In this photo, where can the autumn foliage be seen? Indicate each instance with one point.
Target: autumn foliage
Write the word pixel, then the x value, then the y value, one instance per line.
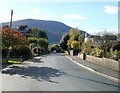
pixel 12 39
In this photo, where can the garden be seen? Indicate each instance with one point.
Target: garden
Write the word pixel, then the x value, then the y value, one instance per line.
pixel 18 47
pixel 103 45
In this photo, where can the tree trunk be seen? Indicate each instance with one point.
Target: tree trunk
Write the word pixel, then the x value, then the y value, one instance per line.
pixel 8 54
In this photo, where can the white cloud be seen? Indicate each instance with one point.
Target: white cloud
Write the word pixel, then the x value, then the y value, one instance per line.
pixel 96 31
pixel 111 9
pixel 74 16
pixel 35 10
pixel 71 25
pixel 44 17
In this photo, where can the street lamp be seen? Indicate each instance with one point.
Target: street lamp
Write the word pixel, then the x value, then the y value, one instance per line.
pixel 11 18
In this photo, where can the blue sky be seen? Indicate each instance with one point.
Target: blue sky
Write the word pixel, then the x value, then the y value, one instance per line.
pixel 92 17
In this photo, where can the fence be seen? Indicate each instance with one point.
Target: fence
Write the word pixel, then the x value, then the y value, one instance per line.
pixel 14 58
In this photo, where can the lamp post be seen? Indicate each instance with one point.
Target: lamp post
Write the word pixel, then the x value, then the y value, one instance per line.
pixel 11 18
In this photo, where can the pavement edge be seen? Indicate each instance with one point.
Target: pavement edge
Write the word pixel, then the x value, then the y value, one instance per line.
pixel 93 71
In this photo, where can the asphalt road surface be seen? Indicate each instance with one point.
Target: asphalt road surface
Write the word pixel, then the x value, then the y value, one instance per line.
pixel 53 73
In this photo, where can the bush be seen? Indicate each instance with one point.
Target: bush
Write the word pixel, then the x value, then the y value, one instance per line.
pixel 32 45
pixel 33 40
pixel 87 47
pixel 43 43
pixel 113 54
pixel 43 51
pixel 116 46
pixel 4 61
pixel 97 52
pixel 23 51
pixel 55 47
pixel 36 50
pixel 4 53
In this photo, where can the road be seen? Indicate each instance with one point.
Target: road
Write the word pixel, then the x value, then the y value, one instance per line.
pixel 53 73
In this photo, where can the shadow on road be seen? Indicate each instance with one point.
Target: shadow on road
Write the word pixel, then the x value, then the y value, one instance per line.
pixel 44 74
pixel 39 73
pixel 2 66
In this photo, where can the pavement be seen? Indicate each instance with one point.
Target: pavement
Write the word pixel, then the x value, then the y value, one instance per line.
pixel 53 72
pixel 97 68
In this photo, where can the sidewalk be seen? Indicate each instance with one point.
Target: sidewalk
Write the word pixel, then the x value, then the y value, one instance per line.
pixel 97 68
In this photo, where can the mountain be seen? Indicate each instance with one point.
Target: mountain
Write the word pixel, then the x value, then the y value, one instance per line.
pixel 54 29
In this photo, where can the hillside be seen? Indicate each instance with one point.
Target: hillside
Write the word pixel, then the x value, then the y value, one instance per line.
pixel 54 29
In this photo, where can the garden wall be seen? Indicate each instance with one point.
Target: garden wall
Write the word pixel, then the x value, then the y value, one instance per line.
pixel 66 52
pixel 108 63
pixel 71 52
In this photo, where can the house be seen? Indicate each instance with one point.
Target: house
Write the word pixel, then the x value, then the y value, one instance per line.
pixel 97 40
pixel 23 31
pixel 91 37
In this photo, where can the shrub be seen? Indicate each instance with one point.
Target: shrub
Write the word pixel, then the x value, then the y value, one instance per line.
pixel 43 51
pixel 32 45
pixel 97 52
pixel 116 46
pixel 32 40
pixel 4 52
pixel 113 54
pixel 55 47
pixel 43 43
pixel 87 47
pixel 36 50
pixel 24 51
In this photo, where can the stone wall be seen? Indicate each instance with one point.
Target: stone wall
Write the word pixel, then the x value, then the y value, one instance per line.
pixel 71 52
pixel 108 63
pixel 66 52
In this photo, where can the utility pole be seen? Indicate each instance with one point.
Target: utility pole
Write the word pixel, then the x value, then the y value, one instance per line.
pixel 11 18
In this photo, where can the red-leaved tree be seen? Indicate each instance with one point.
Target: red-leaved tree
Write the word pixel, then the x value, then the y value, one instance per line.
pixel 12 39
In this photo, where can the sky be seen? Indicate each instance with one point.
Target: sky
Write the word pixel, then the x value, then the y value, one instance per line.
pixel 91 17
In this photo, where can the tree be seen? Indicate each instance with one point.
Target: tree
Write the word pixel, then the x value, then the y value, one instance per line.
pixel 33 40
pixel 43 43
pixel 55 47
pixel 12 39
pixel 63 41
pixel 87 47
pixel 37 33
pixel 75 35
pixel 42 34
pixel 34 32
pixel 38 43
pixel 105 40
pixel 75 45
pixel 81 40
pixel 22 27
